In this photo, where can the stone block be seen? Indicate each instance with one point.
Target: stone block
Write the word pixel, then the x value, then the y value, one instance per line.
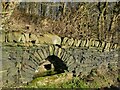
pixel 87 43
pixel 72 67
pixel 115 46
pixel 96 44
pixel 69 42
pixel 59 52
pixel 17 36
pixel 64 55
pixel 52 39
pixel 45 51
pixel 36 56
pixel 67 57
pixel 107 47
pixel 75 42
pixel 41 53
pixel 56 50
pixel 78 43
pixel 27 38
pixel 23 39
pixel 36 60
pixel 51 49
pixel 10 37
pixel 83 43
pixel 26 75
pixel 92 43
pixel 78 70
pixel 70 61
pixel 103 44
pixel 64 41
pixel 34 38
pixel 41 39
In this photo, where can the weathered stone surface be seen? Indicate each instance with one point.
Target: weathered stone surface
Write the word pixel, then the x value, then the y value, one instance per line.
pixel 27 38
pixel 75 42
pixel 50 39
pixel 41 53
pixel 59 52
pixel 90 42
pixel 115 46
pixel 69 42
pixel 10 37
pixel 72 67
pixel 45 53
pixel 26 75
pixel 67 57
pixel 107 46
pixel 64 55
pixel 78 43
pixel 103 44
pixel 87 43
pixel 34 38
pixel 83 43
pixel 56 50
pixel 78 60
pixel 17 38
pixel 36 56
pixel 96 43
pixel 40 71
pixel 70 61
pixel 64 41
pixel 51 50
pixel 23 39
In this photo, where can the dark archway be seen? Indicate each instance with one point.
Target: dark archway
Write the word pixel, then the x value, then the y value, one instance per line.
pixel 58 64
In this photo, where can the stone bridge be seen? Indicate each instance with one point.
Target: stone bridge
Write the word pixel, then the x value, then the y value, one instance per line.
pixel 20 63
pixel 24 53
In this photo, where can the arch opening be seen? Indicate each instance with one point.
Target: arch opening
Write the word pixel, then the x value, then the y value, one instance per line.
pixel 51 65
pixel 59 65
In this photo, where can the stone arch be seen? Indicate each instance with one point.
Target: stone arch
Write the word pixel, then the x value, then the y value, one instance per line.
pixel 39 55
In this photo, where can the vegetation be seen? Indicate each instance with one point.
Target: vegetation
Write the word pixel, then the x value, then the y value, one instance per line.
pixel 99 20
pixel 81 20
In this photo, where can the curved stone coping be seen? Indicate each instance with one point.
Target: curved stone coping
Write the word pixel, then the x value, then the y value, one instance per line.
pixel 28 39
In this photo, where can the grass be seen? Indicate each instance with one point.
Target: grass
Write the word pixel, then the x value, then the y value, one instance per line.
pixel 74 83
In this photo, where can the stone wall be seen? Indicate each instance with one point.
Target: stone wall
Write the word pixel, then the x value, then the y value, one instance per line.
pixel 20 63
pixel 17 38
pixel 22 52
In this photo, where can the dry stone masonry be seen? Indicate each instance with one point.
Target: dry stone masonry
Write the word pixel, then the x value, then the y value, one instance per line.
pixel 28 39
pixel 24 53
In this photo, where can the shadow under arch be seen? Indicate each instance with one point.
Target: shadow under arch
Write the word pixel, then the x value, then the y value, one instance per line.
pixel 59 65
